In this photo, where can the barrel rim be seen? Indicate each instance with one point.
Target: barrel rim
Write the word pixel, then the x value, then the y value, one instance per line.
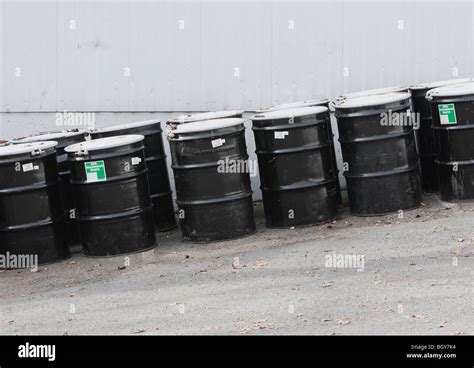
pixel 291 105
pixel 49 136
pixel 104 143
pixel 453 90
pixel 204 116
pixel 206 125
pixel 371 100
pixel 375 91
pixel 290 113
pixel 443 83
pixel 126 126
pixel 22 148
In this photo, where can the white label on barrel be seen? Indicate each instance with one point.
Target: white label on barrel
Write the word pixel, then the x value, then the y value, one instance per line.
pixel 95 171
pixel 447 114
pixel 217 142
pixel 29 167
pixel 136 160
pixel 281 135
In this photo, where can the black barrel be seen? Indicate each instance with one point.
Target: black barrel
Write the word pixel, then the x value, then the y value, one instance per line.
pixel 452 109
pixel 310 103
pixel 64 139
pixel 112 194
pixel 380 158
pixel 160 189
pixel 294 150
pixel 202 116
pixel 213 189
pixel 426 146
pixel 32 220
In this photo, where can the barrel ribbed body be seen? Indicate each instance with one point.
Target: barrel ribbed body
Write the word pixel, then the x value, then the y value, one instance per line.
pixel 310 103
pixel 380 157
pixel 298 179
pixel 453 126
pixel 32 220
pixel 111 190
pixel 64 139
pixel 160 189
pixel 213 191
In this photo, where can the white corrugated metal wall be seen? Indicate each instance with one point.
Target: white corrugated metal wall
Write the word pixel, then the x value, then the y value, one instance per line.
pixel 129 60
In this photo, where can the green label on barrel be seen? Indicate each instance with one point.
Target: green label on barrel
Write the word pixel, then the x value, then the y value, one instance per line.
pixel 447 114
pixel 95 171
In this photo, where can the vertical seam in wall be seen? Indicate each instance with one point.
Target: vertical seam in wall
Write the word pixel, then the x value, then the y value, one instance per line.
pixel 129 54
pixel 413 38
pixel 341 73
pixel 271 52
pixel 471 73
pixel 2 70
pixel 56 72
pixel 201 43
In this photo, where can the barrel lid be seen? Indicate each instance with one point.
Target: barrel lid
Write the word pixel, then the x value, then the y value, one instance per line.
pixel 49 136
pixel 288 113
pixel 205 125
pixel 376 91
pixel 22 148
pixel 437 84
pixel 136 124
pixel 104 143
pixel 201 116
pixel 454 90
pixel 368 101
pixel 292 105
